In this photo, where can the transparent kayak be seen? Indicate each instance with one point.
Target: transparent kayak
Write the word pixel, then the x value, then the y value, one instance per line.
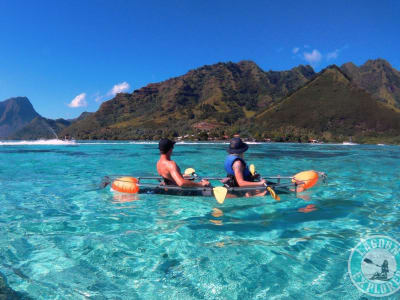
pixel 149 188
pixel 155 185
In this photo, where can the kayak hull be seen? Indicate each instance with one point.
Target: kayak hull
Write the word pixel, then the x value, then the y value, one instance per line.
pixel 154 185
pixel 208 191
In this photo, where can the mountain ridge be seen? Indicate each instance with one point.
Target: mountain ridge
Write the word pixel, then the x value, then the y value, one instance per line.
pixel 377 77
pixel 223 99
pixel 235 94
pixel 15 113
pixel 330 106
pixel 216 94
pixel 19 120
pixel 40 128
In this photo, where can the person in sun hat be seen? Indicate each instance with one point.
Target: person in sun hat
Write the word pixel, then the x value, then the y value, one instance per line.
pixel 169 170
pixel 236 168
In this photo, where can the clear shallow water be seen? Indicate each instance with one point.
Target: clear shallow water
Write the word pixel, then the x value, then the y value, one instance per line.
pixel 61 238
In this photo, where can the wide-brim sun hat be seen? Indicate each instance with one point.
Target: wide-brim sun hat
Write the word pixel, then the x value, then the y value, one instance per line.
pixel 237 146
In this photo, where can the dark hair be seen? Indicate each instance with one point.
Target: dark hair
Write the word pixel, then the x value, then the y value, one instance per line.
pixel 165 145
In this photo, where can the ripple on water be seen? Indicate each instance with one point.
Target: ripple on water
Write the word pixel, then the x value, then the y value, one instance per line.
pixel 62 237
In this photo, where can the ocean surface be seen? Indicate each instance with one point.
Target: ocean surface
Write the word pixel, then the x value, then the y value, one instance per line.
pixel 63 237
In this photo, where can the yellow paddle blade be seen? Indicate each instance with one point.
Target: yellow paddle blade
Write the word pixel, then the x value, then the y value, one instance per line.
pixel 273 194
pixel 252 169
pixel 189 171
pixel 220 193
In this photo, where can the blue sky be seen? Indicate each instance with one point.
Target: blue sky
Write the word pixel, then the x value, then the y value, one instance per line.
pixel 69 56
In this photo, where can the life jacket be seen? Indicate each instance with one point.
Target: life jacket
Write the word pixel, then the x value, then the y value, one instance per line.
pixel 230 159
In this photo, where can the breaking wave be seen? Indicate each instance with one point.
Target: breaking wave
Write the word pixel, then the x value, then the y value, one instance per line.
pixel 37 142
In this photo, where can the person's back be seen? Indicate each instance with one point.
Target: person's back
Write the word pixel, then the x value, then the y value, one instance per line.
pixel 238 161
pixel 164 167
pixel 169 170
pixel 236 167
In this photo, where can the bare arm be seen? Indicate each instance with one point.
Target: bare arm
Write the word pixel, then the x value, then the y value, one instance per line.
pixel 238 168
pixel 181 181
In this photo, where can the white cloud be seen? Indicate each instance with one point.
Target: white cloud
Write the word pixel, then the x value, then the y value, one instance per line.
pixel 78 101
pixel 295 50
pixel 313 57
pixel 332 55
pixel 119 88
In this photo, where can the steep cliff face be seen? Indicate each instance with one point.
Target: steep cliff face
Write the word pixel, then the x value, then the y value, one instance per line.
pixel 378 78
pixel 331 105
pixel 15 113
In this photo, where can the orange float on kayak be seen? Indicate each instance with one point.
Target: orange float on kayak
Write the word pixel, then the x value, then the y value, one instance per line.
pixel 125 185
pixel 308 178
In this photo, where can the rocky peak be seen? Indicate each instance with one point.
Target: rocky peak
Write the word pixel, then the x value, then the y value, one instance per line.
pixel 14 114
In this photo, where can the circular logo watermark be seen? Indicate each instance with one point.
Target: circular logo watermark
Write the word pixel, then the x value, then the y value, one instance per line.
pixel 374 266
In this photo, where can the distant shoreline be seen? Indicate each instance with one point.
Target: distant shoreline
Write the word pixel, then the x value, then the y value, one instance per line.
pixel 179 142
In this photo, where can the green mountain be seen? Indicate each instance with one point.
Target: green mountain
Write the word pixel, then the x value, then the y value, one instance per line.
pixel 15 113
pixel 227 98
pixel 82 116
pixel 330 107
pixel 40 128
pixel 207 98
pixel 378 78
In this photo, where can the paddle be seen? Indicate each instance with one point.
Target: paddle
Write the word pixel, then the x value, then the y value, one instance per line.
pixel 272 193
pixel 219 191
pixel 252 170
pixel 368 261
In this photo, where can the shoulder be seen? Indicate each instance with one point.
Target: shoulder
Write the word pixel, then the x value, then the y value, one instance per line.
pixel 238 164
pixel 172 165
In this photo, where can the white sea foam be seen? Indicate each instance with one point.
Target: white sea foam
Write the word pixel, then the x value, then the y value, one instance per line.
pixel 102 143
pixel 37 142
pixel 143 142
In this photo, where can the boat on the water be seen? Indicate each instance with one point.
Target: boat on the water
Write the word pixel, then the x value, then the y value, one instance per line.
pixel 154 185
pixel 161 189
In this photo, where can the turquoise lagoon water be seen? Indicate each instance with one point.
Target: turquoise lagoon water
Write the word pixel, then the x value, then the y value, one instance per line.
pixel 63 238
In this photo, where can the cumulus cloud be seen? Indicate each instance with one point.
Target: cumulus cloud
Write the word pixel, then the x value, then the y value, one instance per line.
pixel 119 88
pixel 78 101
pixel 332 55
pixel 313 57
